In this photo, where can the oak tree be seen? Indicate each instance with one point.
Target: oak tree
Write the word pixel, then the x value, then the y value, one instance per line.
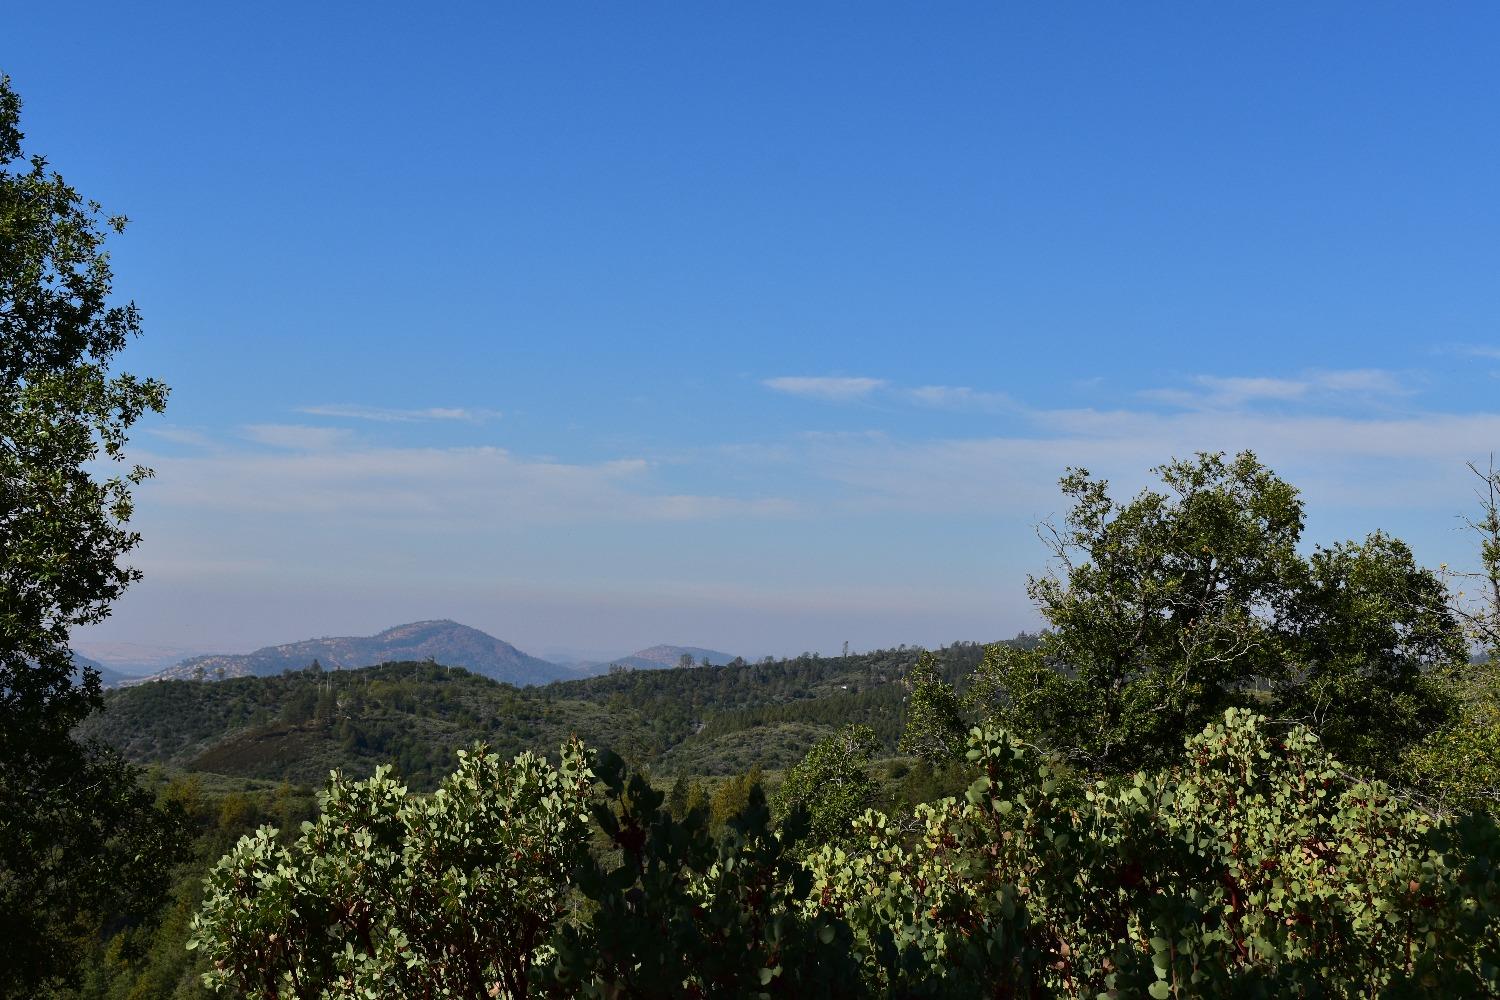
pixel 1168 608
pixel 78 837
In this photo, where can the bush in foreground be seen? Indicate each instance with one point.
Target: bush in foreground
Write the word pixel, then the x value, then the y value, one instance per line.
pixel 1255 866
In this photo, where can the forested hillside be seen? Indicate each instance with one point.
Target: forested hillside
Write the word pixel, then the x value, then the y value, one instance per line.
pixel 300 725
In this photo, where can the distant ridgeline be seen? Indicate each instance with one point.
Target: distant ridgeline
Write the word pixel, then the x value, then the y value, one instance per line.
pixel 298 725
pixel 107 677
pixel 445 642
pixel 442 641
pixel 658 657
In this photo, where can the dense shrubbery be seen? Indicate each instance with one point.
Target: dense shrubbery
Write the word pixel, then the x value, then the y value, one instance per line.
pixel 1255 866
pixel 389 894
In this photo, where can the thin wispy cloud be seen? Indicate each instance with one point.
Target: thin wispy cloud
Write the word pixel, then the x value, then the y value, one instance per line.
pixel 181 435
pixel 385 414
pixel 294 437
pixel 1368 380
pixel 1338 429
pixel 1408 461
pixel 835 388
pixel 321 470
pixel 317 476
pixel 1487 351
pixel 842 389
pixel 960 397
pixel 1214 392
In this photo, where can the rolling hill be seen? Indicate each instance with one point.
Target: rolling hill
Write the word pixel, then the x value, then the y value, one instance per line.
pixel 445 642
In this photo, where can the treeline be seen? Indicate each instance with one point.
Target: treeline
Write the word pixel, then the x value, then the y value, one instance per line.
pixel 300 725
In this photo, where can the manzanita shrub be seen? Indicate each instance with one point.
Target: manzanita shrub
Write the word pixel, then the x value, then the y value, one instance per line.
pixel 394 895
pixel 1256 867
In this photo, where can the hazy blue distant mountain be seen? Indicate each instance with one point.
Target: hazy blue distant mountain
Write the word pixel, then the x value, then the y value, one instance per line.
pixel 446 642
pixel 135 659
pixel 109 678
pixel 659 657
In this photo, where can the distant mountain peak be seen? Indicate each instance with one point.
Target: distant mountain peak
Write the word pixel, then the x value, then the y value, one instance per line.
pixel 442 640
pixel 426 623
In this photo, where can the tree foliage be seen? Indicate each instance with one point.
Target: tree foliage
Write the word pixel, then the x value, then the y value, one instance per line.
pixel 1477 601
pixel 1369 640
pixel 686 914
pixel 78 839
pixel 934 716
pixel 832 784
pixel 733 795
pixel 65 530
pixel 1169 608
pixel 1459 764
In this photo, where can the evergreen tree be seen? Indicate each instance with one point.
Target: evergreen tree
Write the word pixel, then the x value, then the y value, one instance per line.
pixel 677 798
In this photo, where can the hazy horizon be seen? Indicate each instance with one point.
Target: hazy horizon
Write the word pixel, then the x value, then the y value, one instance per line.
pixel 141 659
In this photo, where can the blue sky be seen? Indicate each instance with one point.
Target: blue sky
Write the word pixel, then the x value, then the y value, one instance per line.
pixel 762 327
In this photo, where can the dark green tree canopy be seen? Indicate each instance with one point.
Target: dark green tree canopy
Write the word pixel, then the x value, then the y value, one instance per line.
pixel 63 405
pixel 1187 599
pixel 78 839
pixel 934 715
pixel 1369 638
pixel 832 784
